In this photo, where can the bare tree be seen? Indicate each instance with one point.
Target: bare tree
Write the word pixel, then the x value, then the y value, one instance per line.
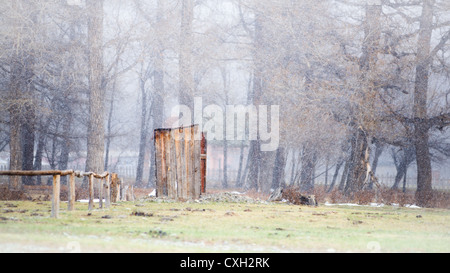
pixel 96 126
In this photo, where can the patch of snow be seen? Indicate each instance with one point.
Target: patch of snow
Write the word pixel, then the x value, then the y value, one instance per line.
pixel 152 194
pixel 343 204
pixel 412 207
pixel 376 205
pixel 87 201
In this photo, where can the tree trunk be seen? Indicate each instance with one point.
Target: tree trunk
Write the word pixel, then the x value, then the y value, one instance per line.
pixel 241 163
pixel 254 157
pixel 336 173
pixel 186 92
pixel 293 168
pixel 65 147
pixel 326 172
pixel 225 165
pixel 308 169
pixel 15 149
pixel 109 124
pixel 278 169
pixel 400 172
pixel 360 152
pixel 404 180
pixel 143 134
pixel 344 175
pixel 96 131
pixel 17 112
pixel 157 111
pixel 379 147
pixel 27 140
pixel 421 127
pixel 358 162
pixel 21 92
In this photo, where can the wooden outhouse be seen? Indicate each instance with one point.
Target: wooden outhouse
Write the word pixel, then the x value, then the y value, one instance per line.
pixel 180 156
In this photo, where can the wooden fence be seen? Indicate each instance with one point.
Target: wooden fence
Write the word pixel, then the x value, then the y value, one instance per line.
pixel 109 184
pixel 180 158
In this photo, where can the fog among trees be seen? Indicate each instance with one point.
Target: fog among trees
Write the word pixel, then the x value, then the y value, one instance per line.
pixel 87 82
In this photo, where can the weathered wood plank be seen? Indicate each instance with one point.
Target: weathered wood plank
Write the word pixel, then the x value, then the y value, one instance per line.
pixel 158 163
pixel 203 162
pixel 164 162
pixel 182 166
pixel 192 164
pixel 178 170
pixel 168 166
pixel 197 163
pixel 188 161
pixel 172 168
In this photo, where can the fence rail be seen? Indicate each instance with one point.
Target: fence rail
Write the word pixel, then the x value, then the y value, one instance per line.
pixel 105 184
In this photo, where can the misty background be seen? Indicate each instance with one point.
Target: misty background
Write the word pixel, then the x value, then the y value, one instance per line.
pixel 363 88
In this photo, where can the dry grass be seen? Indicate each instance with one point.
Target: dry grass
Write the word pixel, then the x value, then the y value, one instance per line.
pixel 146 226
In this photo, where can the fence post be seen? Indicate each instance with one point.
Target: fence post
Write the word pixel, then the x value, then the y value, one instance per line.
pixel 115 188
pixel 56 194
pixel 107 186
pixel 72 192
pixel 91 191
pixel 100 193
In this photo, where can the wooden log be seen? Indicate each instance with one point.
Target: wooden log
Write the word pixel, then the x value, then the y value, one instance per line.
pixel 101 176
pixel 36 173
pixel 56 195
pixel 91 192
pixel 98 176
pixel 71 201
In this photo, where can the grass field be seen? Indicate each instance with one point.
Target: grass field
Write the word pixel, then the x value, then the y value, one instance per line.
pixel 145 226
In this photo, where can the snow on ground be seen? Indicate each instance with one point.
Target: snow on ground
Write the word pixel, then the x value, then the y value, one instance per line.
pixel 370 205
pixel 87 201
